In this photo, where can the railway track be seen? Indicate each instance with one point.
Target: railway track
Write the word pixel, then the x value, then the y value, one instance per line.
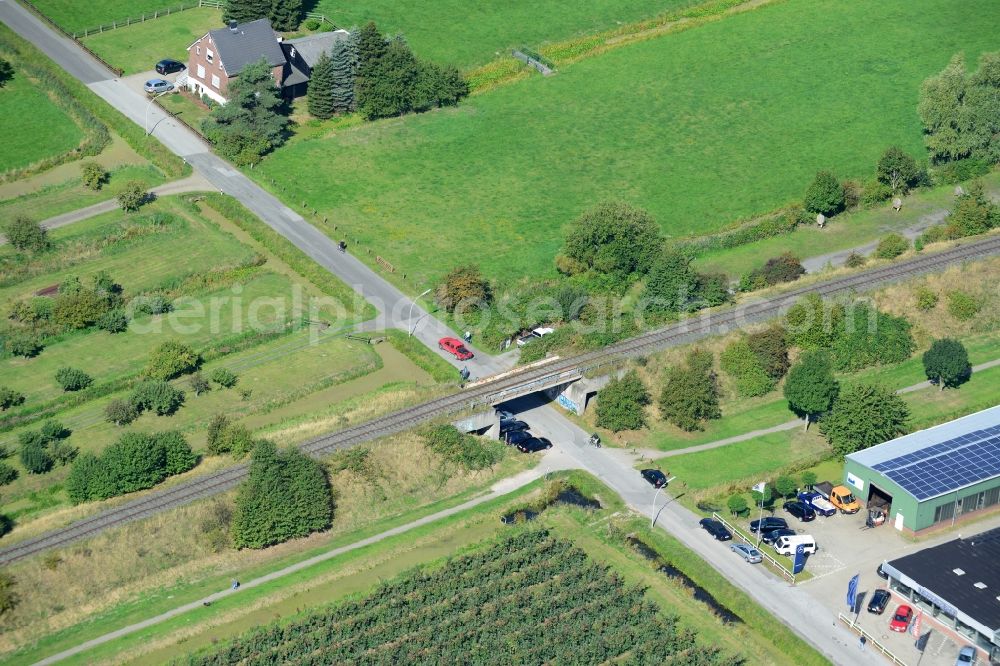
pixel 689 330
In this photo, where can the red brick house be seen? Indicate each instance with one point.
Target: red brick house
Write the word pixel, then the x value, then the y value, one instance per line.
pixel 220 55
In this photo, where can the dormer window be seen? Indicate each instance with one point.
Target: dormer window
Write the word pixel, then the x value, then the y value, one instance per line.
pixel 291 52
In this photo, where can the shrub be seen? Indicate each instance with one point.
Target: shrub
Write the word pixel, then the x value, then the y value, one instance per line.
pixel 621 404
pixel 157 396
pixel 898 170
pixel 199 384
pixel 691 394
pixel 132 195
pixel 853 191
pixel 947 363
pixel 311 24
pixel 34 457
pixel 23 344
pixel 855 260
pixel 466 451
pixel 927 299
pixel 785 485
pixel 10 398
pixel 824 195
pixel 113 321
pixel 78 309
pixel 171 359
pixel 875 193
pixel 53 430
pixel 809 478
pixel 783 268
pixel 26 235
pixel 63 453
pixel 811 323
pixel 215 443
pixel 737 504
pixel 9 599
pixel 7 474
pixel 152 304
pixel 179 456
pixel 974 214
pixel 94 175
pixel 870 337
pixel 463 287
pixel 286 495
pixel 120 412
pixel 958 171
pixel 73 379
pixel 614 238
pixel 963 306
pixel 891 247
pixel 748 373
pixel 770 346
pixel 224 377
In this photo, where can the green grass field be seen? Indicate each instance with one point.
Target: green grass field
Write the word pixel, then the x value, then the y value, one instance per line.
pixel 76 16
pixel 34 127
pixel 723 121
pixel 139 47
pixel 72 195
pixel 453 32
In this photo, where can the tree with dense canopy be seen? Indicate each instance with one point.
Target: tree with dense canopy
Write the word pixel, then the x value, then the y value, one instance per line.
pixel 25 234
pixel 691 394
pixel 286 495
pixel 862 416
pixel 961 113
pixel 463 287
pixel 621 404
pixel 898 170
pixel 810 387
pixel 252 123
pixel 947 363
pixel 613 238
pixel 321 82
pixel 824 195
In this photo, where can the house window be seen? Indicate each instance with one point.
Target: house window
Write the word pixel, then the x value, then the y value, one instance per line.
pixel 215 81
pixel 197 50
pixel 201 71
pixel 292 51
pixel 209 55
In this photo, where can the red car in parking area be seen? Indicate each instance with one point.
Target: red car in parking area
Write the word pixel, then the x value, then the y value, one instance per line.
pixel 455 346
pixel 901 618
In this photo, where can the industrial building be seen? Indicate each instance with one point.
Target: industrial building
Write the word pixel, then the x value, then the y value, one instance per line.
pixel 938 476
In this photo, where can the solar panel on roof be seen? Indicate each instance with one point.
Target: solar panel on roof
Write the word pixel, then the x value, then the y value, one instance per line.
pixel 947 466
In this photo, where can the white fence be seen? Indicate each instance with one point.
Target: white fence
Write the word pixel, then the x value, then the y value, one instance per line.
pixel 147 16
pixel 870 639
pixel 782 569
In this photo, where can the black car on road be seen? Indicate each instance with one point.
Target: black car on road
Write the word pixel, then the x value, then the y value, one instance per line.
pixel 880 599
pixel 511 425
pixel 770 536
pixel 517 436
pixel 769 523
pixel 800 510
pixel 168 66
pixel 534 444
pixel 716 529
pixel 654 477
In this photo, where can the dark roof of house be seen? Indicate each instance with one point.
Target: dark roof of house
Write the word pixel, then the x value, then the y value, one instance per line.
pixel 976 591
pixel 247 44
pixel 311 46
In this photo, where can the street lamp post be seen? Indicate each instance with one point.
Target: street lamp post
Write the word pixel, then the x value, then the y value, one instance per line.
pixel 145 118
pixel 409 314
pixel 652 521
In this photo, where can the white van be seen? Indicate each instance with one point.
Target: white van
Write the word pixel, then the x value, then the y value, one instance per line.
pixel 786 545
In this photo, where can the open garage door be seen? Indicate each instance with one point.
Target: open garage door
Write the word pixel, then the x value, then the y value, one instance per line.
pixel 879 503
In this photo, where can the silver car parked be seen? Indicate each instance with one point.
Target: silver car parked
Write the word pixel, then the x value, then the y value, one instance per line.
pixel 747 552
pixel 158 86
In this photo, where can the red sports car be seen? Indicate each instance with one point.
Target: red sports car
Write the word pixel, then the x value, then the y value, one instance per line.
pixel 455 346
pixel 901 618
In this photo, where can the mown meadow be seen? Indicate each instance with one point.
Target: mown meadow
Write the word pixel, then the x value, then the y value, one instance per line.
pixel 700 127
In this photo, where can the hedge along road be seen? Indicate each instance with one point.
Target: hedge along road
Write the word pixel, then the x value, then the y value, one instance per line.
pixel 505 388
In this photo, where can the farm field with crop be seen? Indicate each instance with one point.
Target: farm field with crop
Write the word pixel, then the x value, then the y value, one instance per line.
pixel 712 124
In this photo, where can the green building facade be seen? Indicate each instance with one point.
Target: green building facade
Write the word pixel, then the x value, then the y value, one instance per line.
pixel 932 477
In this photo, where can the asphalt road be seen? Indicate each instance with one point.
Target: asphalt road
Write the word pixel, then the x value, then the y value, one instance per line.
pixel 790 604
pixel 394 307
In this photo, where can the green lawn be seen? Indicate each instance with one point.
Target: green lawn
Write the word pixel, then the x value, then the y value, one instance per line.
pixel 186 108
pixel 466 34
pixel 139 47
pixel 72 195
pixel 842 232
pixel 74 15
pixel 701 127
pixel 34 127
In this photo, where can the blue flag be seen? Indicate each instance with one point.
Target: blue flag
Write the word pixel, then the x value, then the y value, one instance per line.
pixel 799 563
pixel 852 591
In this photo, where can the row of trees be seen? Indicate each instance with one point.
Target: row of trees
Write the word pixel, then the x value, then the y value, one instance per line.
pixel 283 14
pixel 135 462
